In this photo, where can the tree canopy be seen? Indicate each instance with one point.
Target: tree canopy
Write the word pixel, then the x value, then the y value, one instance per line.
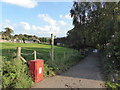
pixel 94 23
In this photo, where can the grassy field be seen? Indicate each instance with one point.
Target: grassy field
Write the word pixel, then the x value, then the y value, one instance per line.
pixel 64 57
pixel 43 51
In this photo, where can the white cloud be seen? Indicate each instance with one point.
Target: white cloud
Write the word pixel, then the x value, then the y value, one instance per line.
pixel 67 16
pixel 51 21
pixel 47 18
pixel 22 3
pixel 62 23
pixel 34 27
pixel 54 26
pixel 47 30
pixel 59 28
pixel 6 23
pixel 25 25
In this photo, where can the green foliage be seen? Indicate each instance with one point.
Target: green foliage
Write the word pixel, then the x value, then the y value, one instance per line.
pixel 55 67
pixel 15 75
pixel 111 61
pixel 96 27
pixel 43 51
pixel 114 86
pixel 95 30
pixel 0 72
pixel 113 51
pixel 7 33
pixel 48 71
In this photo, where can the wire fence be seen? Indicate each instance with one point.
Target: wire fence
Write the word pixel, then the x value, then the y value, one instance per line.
pixel 28 54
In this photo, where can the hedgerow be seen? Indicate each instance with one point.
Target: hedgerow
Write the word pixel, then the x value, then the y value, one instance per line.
pixel 112 61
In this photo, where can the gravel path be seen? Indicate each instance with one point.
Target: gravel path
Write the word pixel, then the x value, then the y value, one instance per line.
pixel 86 74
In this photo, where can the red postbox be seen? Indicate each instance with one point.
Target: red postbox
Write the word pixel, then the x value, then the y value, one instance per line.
pixel 36 69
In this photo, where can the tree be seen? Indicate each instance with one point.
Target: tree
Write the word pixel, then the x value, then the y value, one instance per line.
pixel 7 34
pixel 94 23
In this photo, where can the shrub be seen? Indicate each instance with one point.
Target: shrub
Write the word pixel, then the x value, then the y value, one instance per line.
pixel 112 61
pixel 15 74
pixel 113 51
pixel 0 71
pixel 112 85
pixel 48 71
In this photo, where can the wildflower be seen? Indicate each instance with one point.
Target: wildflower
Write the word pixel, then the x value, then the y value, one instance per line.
pixel 108 55
pixel 107 44
pixel 113 35
pixel 113 61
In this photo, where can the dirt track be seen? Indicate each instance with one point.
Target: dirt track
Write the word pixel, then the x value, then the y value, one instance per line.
pixel 86 74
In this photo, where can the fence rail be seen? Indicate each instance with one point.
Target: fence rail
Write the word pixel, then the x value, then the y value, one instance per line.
pixel 21 55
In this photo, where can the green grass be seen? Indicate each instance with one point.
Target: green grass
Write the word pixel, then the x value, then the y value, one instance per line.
pixel 43 51
pixel 64 57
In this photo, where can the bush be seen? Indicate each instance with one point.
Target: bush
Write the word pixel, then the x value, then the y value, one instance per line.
pixel 113 51
pixel 15 75
pixel 112 85
pixel 112 61
pixel 48 71
pixel 0 72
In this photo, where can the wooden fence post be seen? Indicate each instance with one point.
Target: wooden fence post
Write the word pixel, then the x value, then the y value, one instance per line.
pixel 52 47
pixel 18 52
pixel 35 57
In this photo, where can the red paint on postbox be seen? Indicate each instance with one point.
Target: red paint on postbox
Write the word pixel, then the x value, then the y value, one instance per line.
pixel 36 68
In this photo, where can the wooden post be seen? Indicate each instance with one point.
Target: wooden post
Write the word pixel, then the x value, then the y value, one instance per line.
pixel 23 59
pixel 52 47
pixel 18 52
pixel 35 55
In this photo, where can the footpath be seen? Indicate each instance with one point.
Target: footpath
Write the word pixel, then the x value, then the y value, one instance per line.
pixel 86 74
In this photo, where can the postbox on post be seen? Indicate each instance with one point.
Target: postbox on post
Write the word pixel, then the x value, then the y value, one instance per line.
pixel 36 70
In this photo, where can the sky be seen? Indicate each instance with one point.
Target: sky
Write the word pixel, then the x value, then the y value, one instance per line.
pixel 36 18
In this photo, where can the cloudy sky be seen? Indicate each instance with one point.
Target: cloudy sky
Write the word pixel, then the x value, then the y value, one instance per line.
pixel 36 18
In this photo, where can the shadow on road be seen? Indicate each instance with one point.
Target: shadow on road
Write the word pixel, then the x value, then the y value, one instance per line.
pixel 89 68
